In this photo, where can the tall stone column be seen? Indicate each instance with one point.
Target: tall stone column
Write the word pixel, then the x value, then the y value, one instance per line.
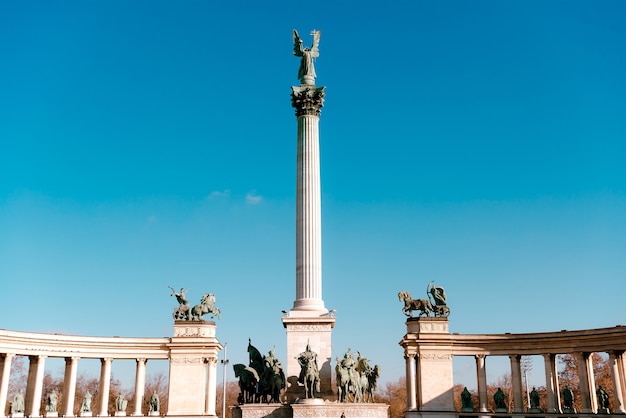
pixel 308 322
pixel 105 385
pixel 5 373
pixel 69 384
pixel 34 386
pixel 552 383
pixel 308 103
pixel 516 380
pixel 482 382
pixel 617 383
pixel 140 385
pixel 585 389
pixel 411 390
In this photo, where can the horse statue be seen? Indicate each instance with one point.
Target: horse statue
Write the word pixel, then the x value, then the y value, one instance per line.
pixel 410 305
pixel 347 378
pixel 270 377
pixel 372 380
pixel 248 380
pixel 309 372
pixel 272 380
pixel 207 305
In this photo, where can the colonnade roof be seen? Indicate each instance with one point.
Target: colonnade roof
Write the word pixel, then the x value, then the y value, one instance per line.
pixel 61 345
pixel 539 343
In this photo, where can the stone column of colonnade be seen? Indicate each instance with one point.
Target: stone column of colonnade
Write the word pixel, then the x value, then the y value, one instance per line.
pixel 5 374
pixel 34 386
pixel 481 373
pixel 105 385
pixel 516 381
pixel 411 387
pixel 140 385
pixel 618 381
pixel 552 383
pixel 69 385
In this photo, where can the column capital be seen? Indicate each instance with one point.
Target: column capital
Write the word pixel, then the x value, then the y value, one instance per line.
pixel 307 100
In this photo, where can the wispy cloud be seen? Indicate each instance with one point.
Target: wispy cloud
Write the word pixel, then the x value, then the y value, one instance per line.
pixel 217 194
pixel 253 199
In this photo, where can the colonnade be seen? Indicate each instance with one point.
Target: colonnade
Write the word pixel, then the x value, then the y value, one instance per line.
pixel 34 384
pixel 429 349
pixel 193 349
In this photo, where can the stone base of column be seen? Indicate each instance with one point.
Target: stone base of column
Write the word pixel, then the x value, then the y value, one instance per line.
pixel 85 414
pixel 17 415
pixel 120 413
pixel 51 414
pixel 316 332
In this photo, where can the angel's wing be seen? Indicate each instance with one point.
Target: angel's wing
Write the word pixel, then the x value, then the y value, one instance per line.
pixel 297 44
pixel 315 48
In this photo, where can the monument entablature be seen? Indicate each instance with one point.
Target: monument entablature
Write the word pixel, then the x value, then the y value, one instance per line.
pixel 539 343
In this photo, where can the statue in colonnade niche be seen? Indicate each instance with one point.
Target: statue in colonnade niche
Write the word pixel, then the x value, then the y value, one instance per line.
pixel 120 403
pixel 51 401
pixel 185 313
pixel 499 400
pixel 534 399
pixel 467 405
pixel 603 399
pixel 86 405
pixel 568 400
pixel 154 403
pixel 17 404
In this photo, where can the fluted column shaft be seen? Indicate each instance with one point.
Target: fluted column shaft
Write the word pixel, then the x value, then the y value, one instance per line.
pixel 308 103
pixel 308 216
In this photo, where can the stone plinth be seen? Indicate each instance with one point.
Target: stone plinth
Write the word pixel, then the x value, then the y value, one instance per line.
pixel 193 362
pixel 336 409
pixel 272 410
pixel 311 408
pixel 315 331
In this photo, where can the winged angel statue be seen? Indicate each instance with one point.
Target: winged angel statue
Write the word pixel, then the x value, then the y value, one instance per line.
pixel 306 73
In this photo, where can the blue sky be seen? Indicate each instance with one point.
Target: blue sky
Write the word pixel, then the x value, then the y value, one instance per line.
pixel 152 143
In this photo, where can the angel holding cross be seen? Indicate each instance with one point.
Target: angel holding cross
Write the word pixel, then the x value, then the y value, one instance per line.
pixel 306 72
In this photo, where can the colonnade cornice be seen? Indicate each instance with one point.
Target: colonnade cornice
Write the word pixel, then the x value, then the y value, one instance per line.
pixel 561 342
pixel 57 345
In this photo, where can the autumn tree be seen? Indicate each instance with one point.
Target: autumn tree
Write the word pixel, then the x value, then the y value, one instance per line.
pixel 394 395
pixel 232 391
